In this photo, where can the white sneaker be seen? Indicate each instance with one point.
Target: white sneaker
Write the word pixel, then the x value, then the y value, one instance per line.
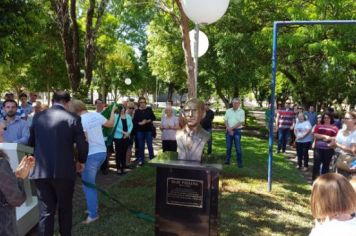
pixel 90 220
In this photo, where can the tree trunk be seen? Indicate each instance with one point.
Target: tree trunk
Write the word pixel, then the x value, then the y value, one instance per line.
pixel 235 91
pixel 89 45
pixel 221 95
pixel 189 63
pixel 91 35
pixel 170 92
pixel 66 20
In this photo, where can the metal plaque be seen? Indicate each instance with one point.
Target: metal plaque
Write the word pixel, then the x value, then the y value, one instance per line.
pixel 184 192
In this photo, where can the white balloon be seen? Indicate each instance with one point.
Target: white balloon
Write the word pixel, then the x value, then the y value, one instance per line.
pixel 203 43
pixel 204 11
pixel 127 81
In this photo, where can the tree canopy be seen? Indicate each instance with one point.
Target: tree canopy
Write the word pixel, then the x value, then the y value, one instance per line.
pixel 97 44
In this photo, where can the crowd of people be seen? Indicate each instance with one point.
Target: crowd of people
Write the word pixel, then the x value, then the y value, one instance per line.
pixel 68 139
pixel 326 135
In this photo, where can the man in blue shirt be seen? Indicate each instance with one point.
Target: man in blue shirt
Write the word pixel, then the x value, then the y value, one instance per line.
pixel 17 130
pixel 24 105
pixel 19 112
pixel 311 114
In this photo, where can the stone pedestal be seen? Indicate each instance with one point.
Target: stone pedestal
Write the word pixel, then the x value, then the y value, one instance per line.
pixel 27 214
pixel 186 198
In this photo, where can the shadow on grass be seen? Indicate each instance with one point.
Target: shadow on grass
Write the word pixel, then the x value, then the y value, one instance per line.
pixel 248 213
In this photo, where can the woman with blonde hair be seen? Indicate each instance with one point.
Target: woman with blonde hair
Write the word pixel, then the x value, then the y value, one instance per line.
pixel 92 124
pixel 169 126
pixel 333 206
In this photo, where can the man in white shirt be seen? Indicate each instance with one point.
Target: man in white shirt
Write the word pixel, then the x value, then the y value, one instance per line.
pixel 234 120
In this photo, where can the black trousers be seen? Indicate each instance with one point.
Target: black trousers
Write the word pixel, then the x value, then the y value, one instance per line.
pixel 302 153
pixel 121 146
pixel 105 165
pixel 322 156
pixel 53 194
pixel 169 145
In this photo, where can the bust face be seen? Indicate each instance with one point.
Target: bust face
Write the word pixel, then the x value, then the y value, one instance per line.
pixel 192 114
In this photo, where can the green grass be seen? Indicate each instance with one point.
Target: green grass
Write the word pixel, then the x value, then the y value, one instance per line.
pixel 245 205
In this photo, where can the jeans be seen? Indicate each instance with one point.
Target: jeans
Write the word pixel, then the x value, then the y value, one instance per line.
pixel 302 153
pixel 92 166
pixel 283 135
pixel 210 141
pixel 141 137
pixel 236 137
pixel 322 156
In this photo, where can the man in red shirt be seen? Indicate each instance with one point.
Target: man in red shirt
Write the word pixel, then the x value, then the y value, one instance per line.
pixel 285 122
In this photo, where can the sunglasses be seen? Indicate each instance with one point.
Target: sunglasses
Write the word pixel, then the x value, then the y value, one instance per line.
pixel 131 108
pixel 142 102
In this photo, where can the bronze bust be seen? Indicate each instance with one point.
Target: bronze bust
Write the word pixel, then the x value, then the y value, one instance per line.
pixel 192 137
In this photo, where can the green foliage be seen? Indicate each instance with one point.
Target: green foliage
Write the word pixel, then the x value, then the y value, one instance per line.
pixel 141 40
pixel 30 49
pixel 165 54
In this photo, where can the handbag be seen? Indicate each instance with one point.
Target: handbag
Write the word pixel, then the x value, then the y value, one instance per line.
pixel 346 162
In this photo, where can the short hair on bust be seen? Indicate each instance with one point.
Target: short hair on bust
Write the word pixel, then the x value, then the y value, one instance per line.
pixel 77 106
pixel 199 104
pixel 332 194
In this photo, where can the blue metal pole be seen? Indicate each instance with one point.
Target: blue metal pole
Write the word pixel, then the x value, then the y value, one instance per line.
pixel 274 71
pixel 271 121
pixel 316 22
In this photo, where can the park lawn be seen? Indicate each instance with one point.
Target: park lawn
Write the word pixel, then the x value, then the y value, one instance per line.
pixel 245 205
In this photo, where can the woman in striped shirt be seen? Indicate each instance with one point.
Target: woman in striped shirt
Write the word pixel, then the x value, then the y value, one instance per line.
pixel 324 134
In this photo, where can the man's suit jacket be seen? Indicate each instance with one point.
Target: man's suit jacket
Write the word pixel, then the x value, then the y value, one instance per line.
pixel 53 134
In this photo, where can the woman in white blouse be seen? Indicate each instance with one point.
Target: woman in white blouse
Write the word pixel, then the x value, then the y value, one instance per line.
pixel 169 126
pixel 345 141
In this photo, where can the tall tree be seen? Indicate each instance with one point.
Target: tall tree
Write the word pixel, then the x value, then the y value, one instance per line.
pixel 67 20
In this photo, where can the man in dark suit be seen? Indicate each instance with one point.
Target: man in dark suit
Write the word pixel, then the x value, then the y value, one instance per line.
pixel 53 134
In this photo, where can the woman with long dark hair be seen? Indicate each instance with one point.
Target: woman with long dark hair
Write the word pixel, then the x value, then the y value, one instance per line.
pixel 122 139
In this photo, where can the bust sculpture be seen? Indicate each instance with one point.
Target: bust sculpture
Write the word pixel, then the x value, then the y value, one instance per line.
pixel 192 137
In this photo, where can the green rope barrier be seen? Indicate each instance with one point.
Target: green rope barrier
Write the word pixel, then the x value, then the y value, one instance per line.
pixel 138 214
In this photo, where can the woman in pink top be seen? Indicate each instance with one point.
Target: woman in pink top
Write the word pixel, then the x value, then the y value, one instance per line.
pixel 169 126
